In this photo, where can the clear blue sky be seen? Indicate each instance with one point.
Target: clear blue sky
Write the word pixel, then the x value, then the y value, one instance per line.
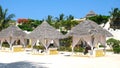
pixel 40 9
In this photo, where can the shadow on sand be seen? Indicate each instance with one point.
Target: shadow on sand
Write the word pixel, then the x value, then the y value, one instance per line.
pixel 23 64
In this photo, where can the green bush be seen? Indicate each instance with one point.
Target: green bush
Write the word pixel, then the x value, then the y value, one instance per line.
pixel 39 47
pixel 62 48
pixel 115 45
pixel 101 46
pixel 69 49
pixel 5 44
pixel 66 42
pixel 28 46
pixel 116 50
pixel 78 49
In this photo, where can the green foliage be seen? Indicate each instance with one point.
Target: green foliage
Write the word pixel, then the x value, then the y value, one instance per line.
pixel 39 47
pixel 49 19
pixel 78 49
pixel 64 32
pixel 69 49
pixel 99 19
pixel 116 50
pixel 30 25
pixel 66 42
pixel 5 18
pixel 115 45
pixel 62 21
pixel 26 27
pixel 101 46
pixel 5 44
pixel 115 18
pixel 64 48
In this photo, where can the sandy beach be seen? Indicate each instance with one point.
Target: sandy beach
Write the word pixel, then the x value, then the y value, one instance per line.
pixel 24 60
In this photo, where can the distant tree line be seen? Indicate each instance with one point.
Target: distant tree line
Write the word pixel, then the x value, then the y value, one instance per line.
pixel 99 19
pixel 62 22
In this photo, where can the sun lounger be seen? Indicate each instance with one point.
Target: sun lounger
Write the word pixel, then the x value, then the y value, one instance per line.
pixel 17 48
pixel 53 51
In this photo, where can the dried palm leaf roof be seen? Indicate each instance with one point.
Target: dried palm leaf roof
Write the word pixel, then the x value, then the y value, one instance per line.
pixel 45 31
pixel 88 27
pixel 12 31
pixel 91 13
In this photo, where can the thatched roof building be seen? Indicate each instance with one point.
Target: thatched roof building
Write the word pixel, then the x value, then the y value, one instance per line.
pixel 45 31
pixel 90 14
pixel 45 34
pixel 87 27
pixel 11 34
pixel 12 31
pixel 90 32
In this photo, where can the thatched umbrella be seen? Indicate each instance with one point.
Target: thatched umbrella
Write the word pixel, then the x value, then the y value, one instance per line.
pixel 11 34
pixel 90 14
pixel 90 32
pixel 45 33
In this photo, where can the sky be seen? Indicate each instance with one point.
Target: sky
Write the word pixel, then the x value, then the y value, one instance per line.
pixel 40 9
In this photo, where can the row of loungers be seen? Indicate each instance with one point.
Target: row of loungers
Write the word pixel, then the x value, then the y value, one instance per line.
pixel 51 51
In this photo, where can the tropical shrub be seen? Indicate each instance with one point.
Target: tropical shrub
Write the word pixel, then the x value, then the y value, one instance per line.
pixel 115 44
pixel 69 49
pixel 78 49
pixel 40 47
pixel 62 48
pixel 99 19
pixel 5 44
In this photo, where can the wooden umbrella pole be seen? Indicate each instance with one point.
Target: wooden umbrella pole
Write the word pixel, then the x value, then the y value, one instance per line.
pixel 10 47
pixel 0 46
pixel 72 50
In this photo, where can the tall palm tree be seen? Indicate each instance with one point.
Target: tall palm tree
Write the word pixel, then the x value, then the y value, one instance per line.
pixel 70 22
pixel 115 18
pixel 70 17
pixel 49 19
pixel 59 20
pixel 4 18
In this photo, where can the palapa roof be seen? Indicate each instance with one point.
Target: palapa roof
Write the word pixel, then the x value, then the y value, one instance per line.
pixel 12 31
pixel 88 27
pixel 45 31
pixel 91 13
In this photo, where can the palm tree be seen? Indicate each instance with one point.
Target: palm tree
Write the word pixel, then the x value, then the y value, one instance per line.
pixel 70 22
pixel 49 19
pixel 115 18
pixel 59 20
pixel 70 17
pixel 4 18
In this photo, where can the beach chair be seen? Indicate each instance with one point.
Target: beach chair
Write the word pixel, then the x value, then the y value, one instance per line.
pixel 53 51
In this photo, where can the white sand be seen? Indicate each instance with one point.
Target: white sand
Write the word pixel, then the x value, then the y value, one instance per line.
pixel 60 61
